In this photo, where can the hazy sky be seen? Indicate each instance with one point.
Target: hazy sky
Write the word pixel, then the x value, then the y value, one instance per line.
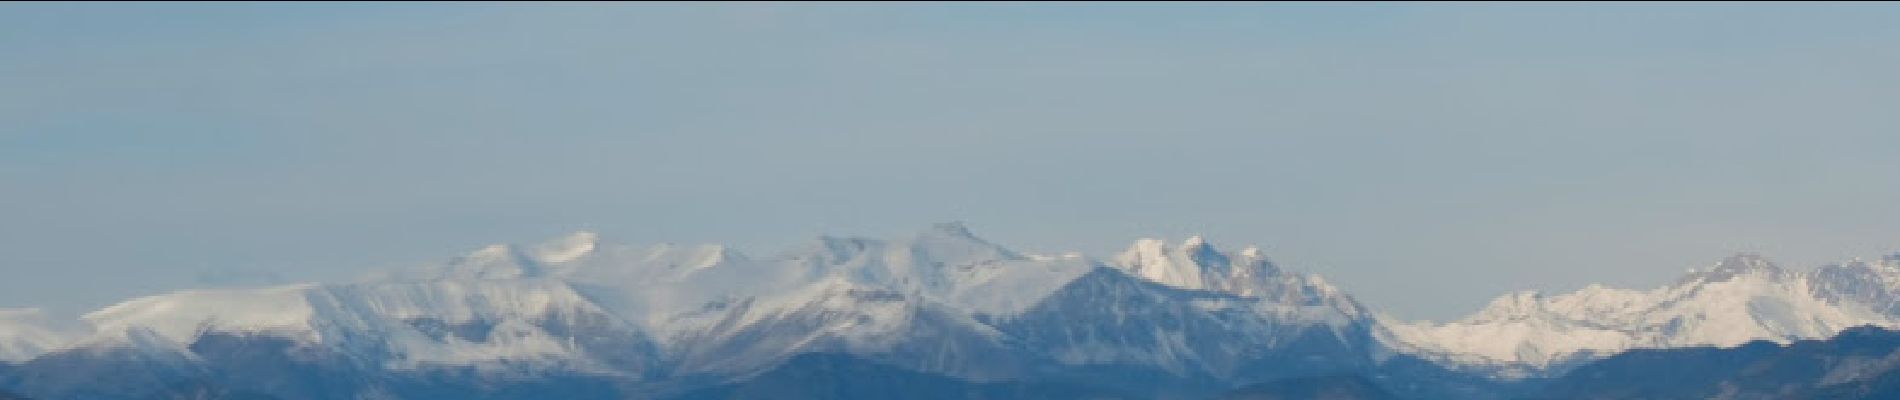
pixel 1425 158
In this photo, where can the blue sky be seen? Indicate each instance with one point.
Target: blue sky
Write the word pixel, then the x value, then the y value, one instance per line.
pixel 1425 157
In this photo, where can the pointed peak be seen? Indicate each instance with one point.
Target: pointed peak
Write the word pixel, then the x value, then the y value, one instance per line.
pixel 1510 306
pixel 1253 252
pixel 951 232
pixel 1153 248
pixel 1143 250
pixel 1194 264
pixel 1203 253
pixel 1739 264
pixel 953 242
pixel 708 255
pixel 1194 246
pixel 1256 260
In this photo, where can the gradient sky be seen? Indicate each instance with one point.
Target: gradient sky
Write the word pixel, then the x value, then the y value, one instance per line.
pixel 1425 158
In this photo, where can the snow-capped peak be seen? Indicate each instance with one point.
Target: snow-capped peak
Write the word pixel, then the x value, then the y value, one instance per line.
pixel 1144 251
pixel 27 333
pixel 497 261
pixel 508 261
pixel 567 248
pixel 941 245
pixel 952 243
pixel 179 316
pixel 542 303
pixel 1252 253
pixel 1155 260
pixel 1512 306
pixel 1875 284
pixel 1737 265
pixel 1194 264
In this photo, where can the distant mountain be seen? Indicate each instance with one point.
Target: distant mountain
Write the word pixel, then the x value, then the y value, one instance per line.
pixel 1860 363
pixel 26 333
pixel 579 317
pixel 607 320
pixel 1874 284
pixel 1741 299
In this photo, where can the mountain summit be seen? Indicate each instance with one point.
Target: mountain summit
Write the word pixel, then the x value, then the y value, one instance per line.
pixel 1736 266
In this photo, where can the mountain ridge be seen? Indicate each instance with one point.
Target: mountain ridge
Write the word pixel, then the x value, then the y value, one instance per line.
pixel 668 318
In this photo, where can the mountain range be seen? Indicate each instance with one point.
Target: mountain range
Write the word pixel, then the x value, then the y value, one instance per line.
pixel 946 312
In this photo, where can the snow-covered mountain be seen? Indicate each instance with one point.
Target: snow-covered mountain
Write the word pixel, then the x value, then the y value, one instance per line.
pixel 581 317
pixel 27 333
pixel 1874 284
pixel 663 317
pixel 1742 298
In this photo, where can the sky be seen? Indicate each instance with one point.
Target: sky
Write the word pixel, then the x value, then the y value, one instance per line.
pixel 1425 158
